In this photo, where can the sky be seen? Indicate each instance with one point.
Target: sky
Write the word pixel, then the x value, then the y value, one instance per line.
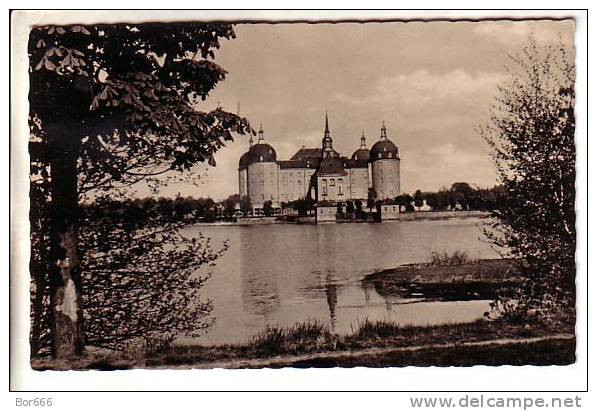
pixel 432 84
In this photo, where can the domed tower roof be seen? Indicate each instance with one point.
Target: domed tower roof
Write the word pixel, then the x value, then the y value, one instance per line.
pixel 244 161
pixel 261 152
pixel 384 148
pixel 362 153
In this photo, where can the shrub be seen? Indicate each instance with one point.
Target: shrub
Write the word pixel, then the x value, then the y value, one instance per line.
pixel 531 134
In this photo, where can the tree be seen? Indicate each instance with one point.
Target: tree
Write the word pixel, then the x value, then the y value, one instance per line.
pixel 304 206
pixel 140 275
pixel 350 208
pixel 443 198
pixel 371 197
pixel 418 198
pixel 267 208
pixel 462 193
pixel 531 134
pixel 111 105
pixel 245 205
pixel 433 201
pixel 141 286
pixel 408 200
pixel 230 204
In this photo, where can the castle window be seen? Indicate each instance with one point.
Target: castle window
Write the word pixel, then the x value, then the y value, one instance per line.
pixel 332 182
pixel 324 187
pixel 340 186
pixel 260 158
pixel 379 155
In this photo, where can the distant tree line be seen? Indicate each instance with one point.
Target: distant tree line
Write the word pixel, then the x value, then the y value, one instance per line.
pixel 462 193
pixel 178 208
pixel 206 209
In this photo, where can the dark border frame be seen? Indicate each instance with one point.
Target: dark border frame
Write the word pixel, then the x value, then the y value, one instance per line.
pixel 315 21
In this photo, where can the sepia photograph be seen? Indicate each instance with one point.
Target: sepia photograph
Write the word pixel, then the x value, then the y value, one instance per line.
pixel 245 193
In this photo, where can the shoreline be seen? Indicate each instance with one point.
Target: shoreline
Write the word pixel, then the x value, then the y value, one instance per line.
pixel 378 344
pixel 528 353
pixel 311 220
pixel 474 280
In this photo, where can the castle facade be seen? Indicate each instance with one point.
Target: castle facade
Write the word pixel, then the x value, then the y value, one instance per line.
pixel 321 174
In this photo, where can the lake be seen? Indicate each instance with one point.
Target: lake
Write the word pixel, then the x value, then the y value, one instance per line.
pixel 286 273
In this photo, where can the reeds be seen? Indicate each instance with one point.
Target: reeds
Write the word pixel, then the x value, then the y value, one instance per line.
pixel 457 258
pixel 297 337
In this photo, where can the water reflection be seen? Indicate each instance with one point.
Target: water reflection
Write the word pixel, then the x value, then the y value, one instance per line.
pixel 260 294
pixel 331 293
pixel 281 274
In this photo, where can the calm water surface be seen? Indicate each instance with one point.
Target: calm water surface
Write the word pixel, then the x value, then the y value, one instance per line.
pixel 282 274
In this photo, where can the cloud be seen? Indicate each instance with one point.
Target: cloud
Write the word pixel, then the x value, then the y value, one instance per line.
pixel 421 88
pixel 431 168
pixel 426 109
pixel 510 33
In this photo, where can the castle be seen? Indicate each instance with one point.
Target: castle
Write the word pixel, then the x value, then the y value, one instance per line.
pixel 321 174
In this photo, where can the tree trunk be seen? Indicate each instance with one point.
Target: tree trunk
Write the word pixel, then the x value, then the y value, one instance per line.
pixel 65 272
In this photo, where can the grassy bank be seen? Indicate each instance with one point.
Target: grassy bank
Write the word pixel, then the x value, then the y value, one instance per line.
pixel 313 337
pixel 550 352
pixel 280 346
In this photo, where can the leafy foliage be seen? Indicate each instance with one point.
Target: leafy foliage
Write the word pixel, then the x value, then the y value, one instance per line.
pixel 140 283
pixel 129 94
pixel 141 277
pixel 120 104
pixel 268 208
pixel 531 134
pixel 304 206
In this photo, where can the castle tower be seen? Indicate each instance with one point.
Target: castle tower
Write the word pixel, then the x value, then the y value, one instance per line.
pixel 258 173
pixel 385 167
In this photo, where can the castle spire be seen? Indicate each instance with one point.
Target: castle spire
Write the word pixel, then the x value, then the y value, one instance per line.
pixel 384 135
pixel 326 142
pixel 260 139
pixel 363 141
